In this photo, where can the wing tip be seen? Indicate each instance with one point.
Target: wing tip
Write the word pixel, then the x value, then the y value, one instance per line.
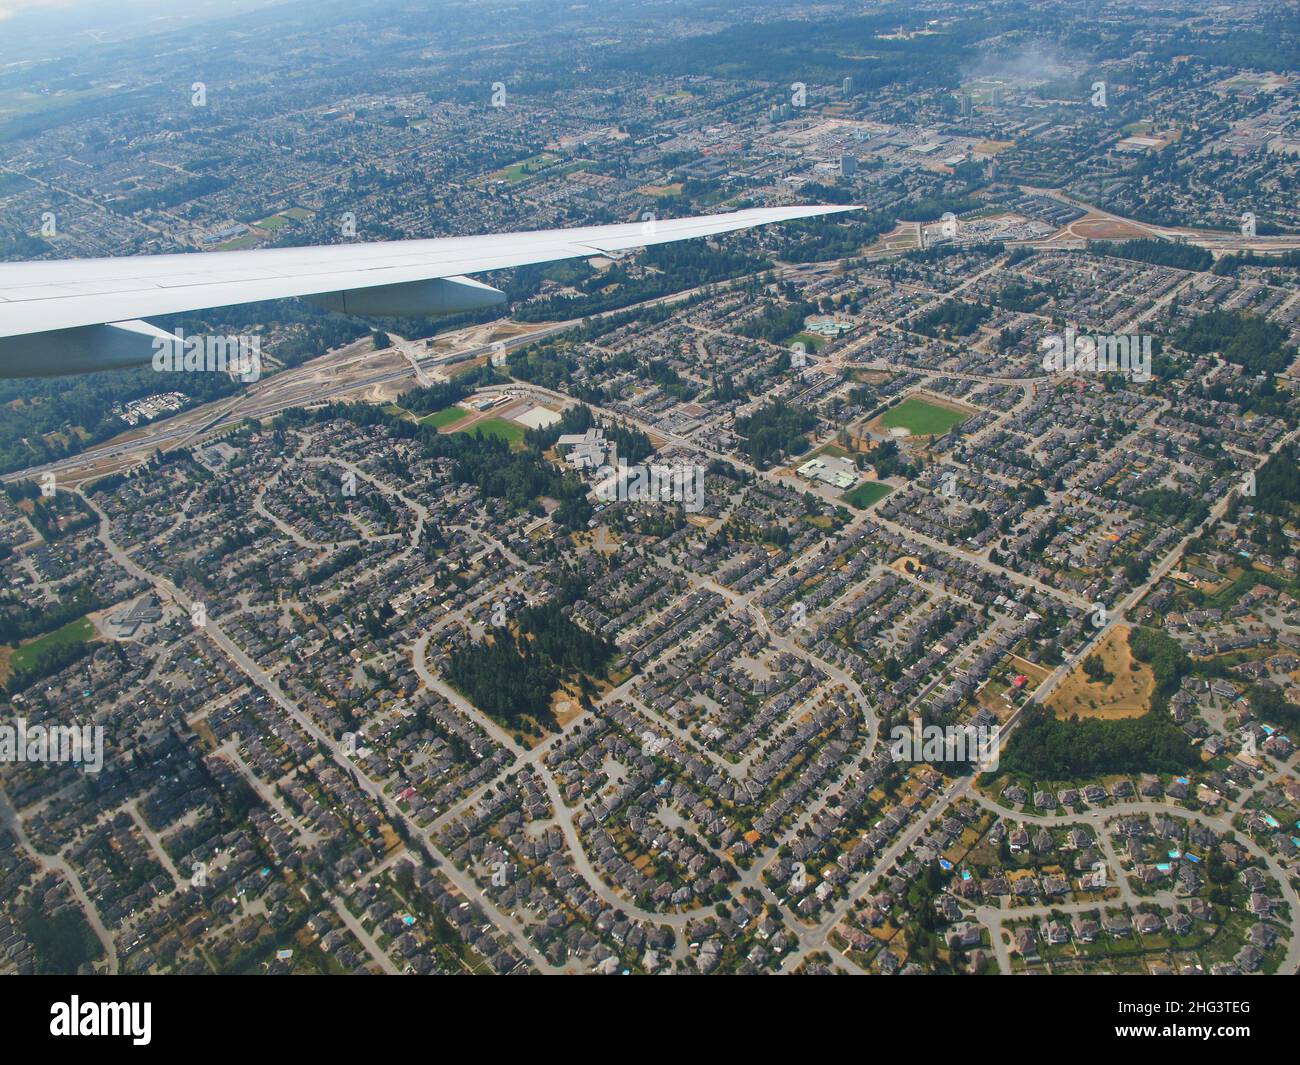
pixel 813 209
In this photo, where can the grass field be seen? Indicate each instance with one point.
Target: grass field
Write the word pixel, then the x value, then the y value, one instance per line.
pixel 867 493
pixel 18 102
pixel 248 240
pixel 511 432
pixel 810 341
pixel 1127 695
pixel 544 164
pixel 447 416
pixel 922 418
pixel 525 168
pixel 78 631
pixel 659 191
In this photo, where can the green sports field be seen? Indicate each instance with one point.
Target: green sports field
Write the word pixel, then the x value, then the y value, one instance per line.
pixel 442 418
pixel 810 341
pixel 78 631
pixel 511 432
pixel 922 418
pixel 867 493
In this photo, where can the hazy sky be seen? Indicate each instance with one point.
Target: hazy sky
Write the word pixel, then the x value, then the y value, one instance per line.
pixel 38 29
pixel 10 9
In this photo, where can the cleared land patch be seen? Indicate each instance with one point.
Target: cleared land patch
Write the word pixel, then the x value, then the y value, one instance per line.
pixel 1126 694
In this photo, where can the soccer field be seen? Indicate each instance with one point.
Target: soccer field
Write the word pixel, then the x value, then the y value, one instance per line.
pixel 446 416
pixel 867 493
pixel 511 432
pixel 78 631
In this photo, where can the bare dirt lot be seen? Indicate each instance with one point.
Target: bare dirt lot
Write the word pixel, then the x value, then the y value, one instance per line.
pixel 1127 694
pixel 1099 228
pixel 477 335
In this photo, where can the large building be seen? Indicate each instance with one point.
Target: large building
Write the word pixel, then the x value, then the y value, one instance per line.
pixel 587 450
pixel 830 469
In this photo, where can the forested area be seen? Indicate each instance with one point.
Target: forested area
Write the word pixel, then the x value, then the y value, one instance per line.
pixel 1159 252
pixel 778 322
pixel 952 318
pixel 62 941
pixel 1273 45
pixel 1046 748
pixel 53 517
pixel 1230 264
pixel 1277 485
pixel 52 657
pixel 1246 339
pixel 147 199
pixel 815 240
pixel 889 461
pixel 1164 654
pixel 1171 507
pixel 774 430
pixel 1018 296
pixel 520 668
pixel 1268 703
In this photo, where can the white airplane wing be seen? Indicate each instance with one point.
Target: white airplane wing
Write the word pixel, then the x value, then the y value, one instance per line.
pixel 72 315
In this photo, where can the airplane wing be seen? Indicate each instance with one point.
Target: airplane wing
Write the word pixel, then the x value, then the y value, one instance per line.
pixel 72 315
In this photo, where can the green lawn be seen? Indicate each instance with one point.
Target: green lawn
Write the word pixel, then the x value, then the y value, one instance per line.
pixel 526 168
pixel 511 432
pixel 248 240
pixel 811 341
pixel 78 631
pixel 867 493
pixel 922 418
pixel 442 418
pixel 544 164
